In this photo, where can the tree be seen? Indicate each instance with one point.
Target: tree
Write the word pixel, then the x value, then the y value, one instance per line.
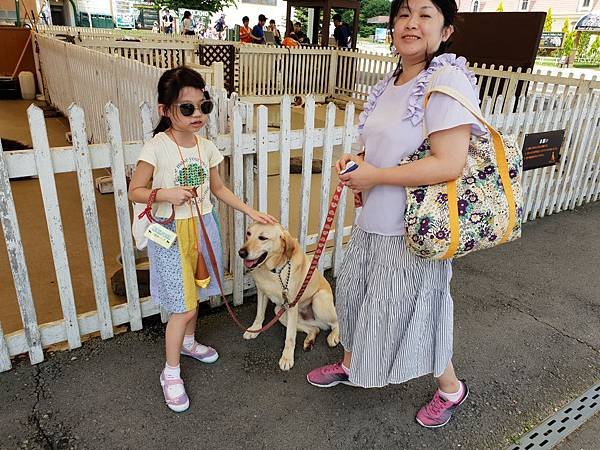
pixel 594 52
pixel 584 42
pixel 301 15
pixel 202 5
pixel 368 9
pixel 500 7
pixel 548 21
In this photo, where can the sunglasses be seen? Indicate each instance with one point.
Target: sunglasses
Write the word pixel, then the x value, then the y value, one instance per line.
pixel 187 109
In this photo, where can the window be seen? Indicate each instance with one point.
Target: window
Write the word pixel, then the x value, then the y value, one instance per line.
pixel 585 5
pixel 524 5
pixel 475 6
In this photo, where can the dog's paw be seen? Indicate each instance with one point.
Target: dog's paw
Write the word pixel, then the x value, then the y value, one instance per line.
pixel 286 363
pixel 248 335
pixel 333 339
pixel 309 343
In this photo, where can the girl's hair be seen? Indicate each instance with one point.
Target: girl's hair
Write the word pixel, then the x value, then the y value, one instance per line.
pixel 448 9
pixel 187 15
pixel 170 84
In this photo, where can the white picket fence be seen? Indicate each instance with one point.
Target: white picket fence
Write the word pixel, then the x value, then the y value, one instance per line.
pixel 265 73
pixel 240 149
pixel 575 180
pixel 75 74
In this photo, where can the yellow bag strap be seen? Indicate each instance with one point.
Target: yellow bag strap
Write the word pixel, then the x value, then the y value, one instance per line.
pixel 501 162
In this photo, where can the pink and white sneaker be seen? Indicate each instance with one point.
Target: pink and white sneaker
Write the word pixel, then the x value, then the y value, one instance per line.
pixel 202 353
pixel 438 411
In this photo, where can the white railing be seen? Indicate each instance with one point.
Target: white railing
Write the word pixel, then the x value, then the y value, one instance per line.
pixel 248 150
pixel 75 74
pixel 359 71
pixel 265 73
pixel 268 73
pixel 164 55
pixel 240 147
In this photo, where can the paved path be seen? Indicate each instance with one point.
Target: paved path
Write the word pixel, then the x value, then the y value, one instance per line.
pixel 527 339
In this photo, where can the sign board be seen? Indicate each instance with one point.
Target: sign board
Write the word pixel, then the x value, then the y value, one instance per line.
pixel 198 17
pixel 125 14
pixel 380 34
pixel 552 40
pixel 542 149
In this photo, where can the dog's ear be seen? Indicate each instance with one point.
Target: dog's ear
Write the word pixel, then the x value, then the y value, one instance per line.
pixel 289 244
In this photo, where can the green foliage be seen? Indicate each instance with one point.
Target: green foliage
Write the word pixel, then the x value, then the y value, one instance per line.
pixel 594 51
pixel 301 15
pixel 500 7
pixel 548 21
pixel 568 43
pixel 566 27
pixel 202 5
pixel 584 43
pixel 368 9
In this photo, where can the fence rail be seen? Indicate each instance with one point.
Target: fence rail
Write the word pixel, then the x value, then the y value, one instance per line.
pixel 249 146
pixel 75 74
pixel 263 74
pixel 573 181
pixel 241 146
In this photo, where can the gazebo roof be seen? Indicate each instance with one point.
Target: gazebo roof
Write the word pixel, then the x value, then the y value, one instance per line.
pixel 382 20
pixel 344 4
pixel 589 22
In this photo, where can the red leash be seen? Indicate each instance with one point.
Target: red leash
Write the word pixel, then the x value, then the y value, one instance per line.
pixel 313 265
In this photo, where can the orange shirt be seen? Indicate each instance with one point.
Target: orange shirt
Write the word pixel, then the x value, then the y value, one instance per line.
pixel 290 42
pixel 245 34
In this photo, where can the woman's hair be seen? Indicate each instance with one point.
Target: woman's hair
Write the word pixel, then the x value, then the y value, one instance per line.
pixel 448 9
pixel 187 15
pixel 170 84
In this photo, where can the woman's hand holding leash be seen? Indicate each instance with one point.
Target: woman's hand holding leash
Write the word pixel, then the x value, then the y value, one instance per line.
pixel 340 165
pixel 359 179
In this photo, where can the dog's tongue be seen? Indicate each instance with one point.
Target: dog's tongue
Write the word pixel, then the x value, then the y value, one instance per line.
pixel 249 263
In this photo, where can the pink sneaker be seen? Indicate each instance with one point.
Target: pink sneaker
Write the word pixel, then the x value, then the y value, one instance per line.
pixel 328 376
pixel 438 411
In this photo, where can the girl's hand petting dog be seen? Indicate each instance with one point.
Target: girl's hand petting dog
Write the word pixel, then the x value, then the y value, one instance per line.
pixel 261 217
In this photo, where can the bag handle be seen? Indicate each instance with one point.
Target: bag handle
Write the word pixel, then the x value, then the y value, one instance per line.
pixel 499 148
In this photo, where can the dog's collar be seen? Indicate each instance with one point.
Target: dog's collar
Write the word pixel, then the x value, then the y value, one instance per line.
pixel 274 269
pixel 285 285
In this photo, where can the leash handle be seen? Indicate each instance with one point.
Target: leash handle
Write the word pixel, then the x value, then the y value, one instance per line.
pixel 333 204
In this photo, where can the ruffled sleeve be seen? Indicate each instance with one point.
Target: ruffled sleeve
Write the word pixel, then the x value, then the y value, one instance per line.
pixel 415 111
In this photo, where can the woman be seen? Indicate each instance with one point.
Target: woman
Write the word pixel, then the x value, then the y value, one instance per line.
pixel 395 309
pixel 276 34
pixel 188 24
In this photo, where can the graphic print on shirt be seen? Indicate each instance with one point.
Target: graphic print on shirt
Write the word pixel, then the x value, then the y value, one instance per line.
pixel 193 172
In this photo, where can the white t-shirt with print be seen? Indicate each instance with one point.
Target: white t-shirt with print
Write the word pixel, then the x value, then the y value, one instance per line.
pixel 170 171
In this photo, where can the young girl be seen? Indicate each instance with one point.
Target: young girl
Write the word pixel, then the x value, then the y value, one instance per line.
pixel 179 163
pixel 394 308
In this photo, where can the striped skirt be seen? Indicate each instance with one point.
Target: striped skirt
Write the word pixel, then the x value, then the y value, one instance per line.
pixel 172 283
pixel 394 309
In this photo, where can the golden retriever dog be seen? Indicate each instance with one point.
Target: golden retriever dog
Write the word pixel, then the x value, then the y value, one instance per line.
pixel 279 266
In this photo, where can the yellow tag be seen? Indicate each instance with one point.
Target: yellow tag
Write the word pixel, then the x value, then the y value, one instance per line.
pixel 159 234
